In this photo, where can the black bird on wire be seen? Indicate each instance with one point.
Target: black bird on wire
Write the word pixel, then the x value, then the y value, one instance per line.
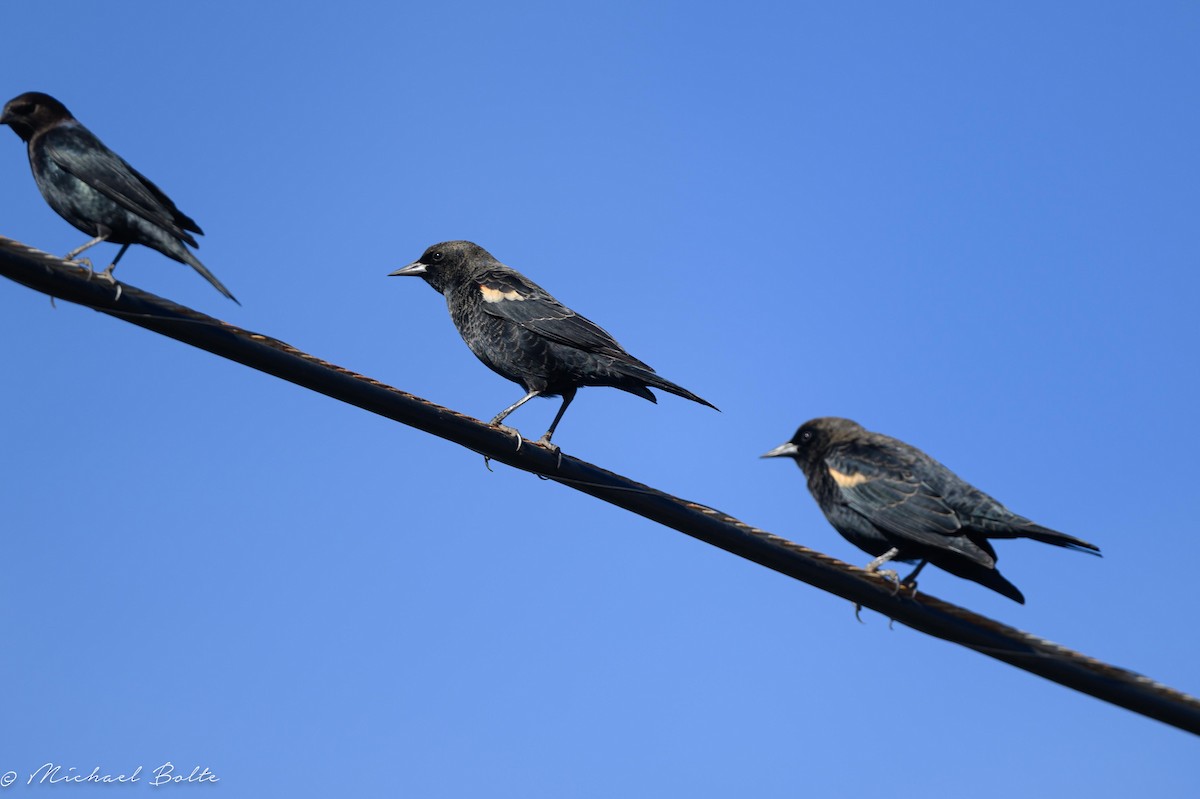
pixel 522 333
pixel 894 502
pixel 91 187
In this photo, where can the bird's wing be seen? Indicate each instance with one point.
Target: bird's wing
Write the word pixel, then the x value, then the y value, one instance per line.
pixel 78 151
pixel 884 488
pixel 996 521
pixel 510 295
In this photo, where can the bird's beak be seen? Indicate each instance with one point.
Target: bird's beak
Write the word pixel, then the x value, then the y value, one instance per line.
pixel 415 268
pixel 5 118
pixel 787 450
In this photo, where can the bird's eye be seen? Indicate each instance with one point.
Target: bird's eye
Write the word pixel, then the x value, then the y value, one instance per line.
pixel 806 436
pixel 437 256
pixel 24 109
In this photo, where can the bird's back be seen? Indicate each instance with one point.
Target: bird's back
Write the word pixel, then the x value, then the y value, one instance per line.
pixel 522 332
pixel 76 170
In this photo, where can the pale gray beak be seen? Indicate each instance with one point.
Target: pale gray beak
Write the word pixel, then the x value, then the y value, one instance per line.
pixel 787 450
pixel 415 268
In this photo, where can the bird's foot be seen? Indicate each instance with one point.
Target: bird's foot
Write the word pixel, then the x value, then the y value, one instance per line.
pixel 104 274
pixel 107 275
pixel 891 575
pixel 546 443
pixel 894 578
pixel 512 431
pixel 874 565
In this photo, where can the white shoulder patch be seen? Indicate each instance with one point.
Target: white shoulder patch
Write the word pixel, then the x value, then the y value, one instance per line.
pixel 496 295
pixel 847 480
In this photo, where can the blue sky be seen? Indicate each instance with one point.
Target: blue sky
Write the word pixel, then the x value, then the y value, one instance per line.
pixel 971 228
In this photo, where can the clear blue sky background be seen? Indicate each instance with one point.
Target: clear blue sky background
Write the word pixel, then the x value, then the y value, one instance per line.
pixel 971 228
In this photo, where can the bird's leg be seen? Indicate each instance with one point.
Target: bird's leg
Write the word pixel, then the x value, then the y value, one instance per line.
pixel 874 565
pixel 911 579
pixel 887 574
pixel 567 395
pixel 501 416
pixel 71 255
pixel 882 559
pixel 107 274
pixel 544 441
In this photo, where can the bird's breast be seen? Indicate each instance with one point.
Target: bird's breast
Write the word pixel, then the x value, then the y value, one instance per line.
pixel 70 197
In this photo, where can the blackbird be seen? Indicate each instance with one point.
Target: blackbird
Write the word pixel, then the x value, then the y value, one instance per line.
pixel 522 333
pixel 895 502
pixel 91 187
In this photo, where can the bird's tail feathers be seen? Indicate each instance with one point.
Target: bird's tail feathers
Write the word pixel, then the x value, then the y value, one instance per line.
pixel 987 577
pixel 652 379
pixel 194 262
pixel 640 390
pixel 1048 536
pixel 995 580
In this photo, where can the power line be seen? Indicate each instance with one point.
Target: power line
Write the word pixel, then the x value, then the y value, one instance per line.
pixel 50 275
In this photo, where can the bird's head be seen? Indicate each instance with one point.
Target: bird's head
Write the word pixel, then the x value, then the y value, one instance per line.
pixel 32 112
pixel 813 440
pixel 449 264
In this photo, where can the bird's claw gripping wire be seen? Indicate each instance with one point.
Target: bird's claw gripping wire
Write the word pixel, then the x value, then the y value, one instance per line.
pixel 512 431
pixel 107 274
pixel 891 575
pixel 545 443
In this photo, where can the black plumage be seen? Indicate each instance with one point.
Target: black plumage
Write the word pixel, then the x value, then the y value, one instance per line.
pixel 521 332
pixel 91 187
pixel 895 502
